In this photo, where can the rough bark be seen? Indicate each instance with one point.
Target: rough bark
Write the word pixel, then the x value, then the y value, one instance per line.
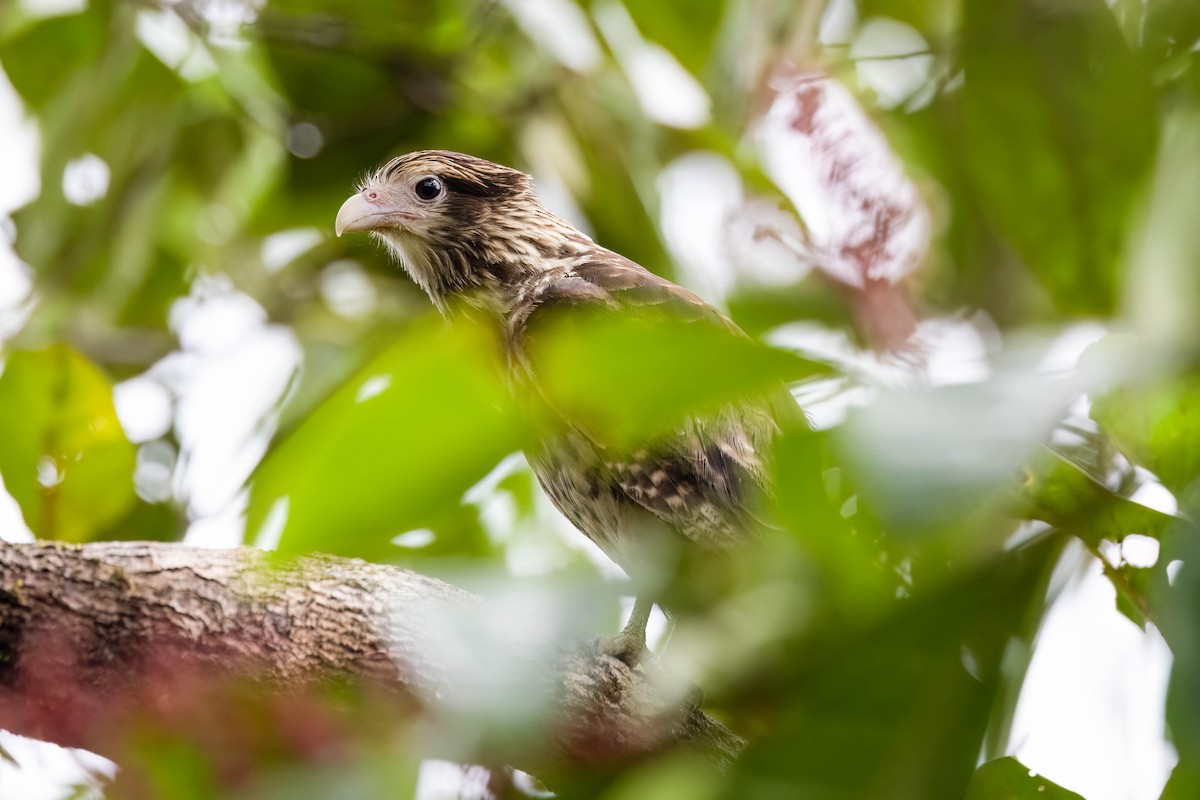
pixel 95 635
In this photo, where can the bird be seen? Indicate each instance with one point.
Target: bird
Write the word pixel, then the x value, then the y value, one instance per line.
pixel 469 231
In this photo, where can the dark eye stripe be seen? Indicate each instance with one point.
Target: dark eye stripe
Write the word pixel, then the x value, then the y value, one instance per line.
pixel 494 186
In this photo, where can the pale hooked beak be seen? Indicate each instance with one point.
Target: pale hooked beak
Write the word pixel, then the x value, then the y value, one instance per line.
pixel 358 214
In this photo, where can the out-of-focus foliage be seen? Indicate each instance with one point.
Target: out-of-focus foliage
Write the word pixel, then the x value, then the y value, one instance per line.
pixel 272 378
pixel 1006 778
pixel 65 458
pixel 659 366
pixel 377 432
pixel 1059 124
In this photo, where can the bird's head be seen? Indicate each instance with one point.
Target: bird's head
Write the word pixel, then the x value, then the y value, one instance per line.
pixel 458 224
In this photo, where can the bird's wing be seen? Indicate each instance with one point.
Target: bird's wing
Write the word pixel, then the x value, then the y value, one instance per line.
pixel 706 479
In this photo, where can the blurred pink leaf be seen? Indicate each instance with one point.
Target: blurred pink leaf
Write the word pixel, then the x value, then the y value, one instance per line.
pixel 866 221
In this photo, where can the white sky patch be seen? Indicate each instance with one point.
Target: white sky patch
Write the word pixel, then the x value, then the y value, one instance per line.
pixel 562 28
pixel 144 407
pixel 1139 551
pixel 372 387
pixel 874 50
pixel 559 198
pixel 214 317
pixel 1068 345
pixel 667 93
pixel 552 151
pixel 226 19
pixel 221 418
pixel 719 235
pixel 282 248
pixel 347 289
pixel 16 289
pixel 12 528
pixel 221 530
pixel 420 537
pixel 45 771
pixel 446 780
pixel 1153 494
pixel 700 191
pixel 40 9
pixel 21 153
pixel 954 350
pixel 228 380
pixel 85 179
pixel 946 351
pixel 1090 715
pixel 271 531
pixel 168 37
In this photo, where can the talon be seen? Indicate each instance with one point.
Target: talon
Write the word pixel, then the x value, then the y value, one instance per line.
pixel 626 647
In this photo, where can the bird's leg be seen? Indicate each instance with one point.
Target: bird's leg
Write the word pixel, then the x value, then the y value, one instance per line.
pixel 629 645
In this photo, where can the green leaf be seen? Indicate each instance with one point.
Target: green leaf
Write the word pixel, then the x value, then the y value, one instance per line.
pixel 1180 626
pixel 1059 117
pixel 1184 783
pixel 65 458
pixel 51 51
pixel 686 28
pixel 848 557
pixel 1157 427
pixel 1062 493
pixel 595 368
pixel 408 434
pixel 1133 586
pixel 1171 28
pixel 1009 779
pixel 898 709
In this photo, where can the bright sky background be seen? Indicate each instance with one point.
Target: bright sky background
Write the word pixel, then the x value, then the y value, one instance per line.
pixel 1091 711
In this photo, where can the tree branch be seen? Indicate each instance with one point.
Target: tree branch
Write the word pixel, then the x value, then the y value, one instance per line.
pixel 92 636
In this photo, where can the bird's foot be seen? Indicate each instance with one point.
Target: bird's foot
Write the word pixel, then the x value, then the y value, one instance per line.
pixel 628 647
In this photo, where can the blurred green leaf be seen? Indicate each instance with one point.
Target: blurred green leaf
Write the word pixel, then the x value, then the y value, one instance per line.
pixel 1157 427
pixel 1060 121
pixel 898 709
pixel 147 522
pixel 681 777
pixel 1180 626
pixel 686 28
pixel 874 665
pixel 1184 783
pixel 1162 284
pixel 847 553
pixel 404 437
pixel 595 367
pixel 65 458
pixel 1009 779
pixel 50 51
pixel 1133 588
pixel 1066 497
pixel 1170 28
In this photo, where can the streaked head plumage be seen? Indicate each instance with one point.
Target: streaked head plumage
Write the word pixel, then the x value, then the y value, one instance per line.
pixel 454 221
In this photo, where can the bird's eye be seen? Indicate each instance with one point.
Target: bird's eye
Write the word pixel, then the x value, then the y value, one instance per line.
pixel 428 188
